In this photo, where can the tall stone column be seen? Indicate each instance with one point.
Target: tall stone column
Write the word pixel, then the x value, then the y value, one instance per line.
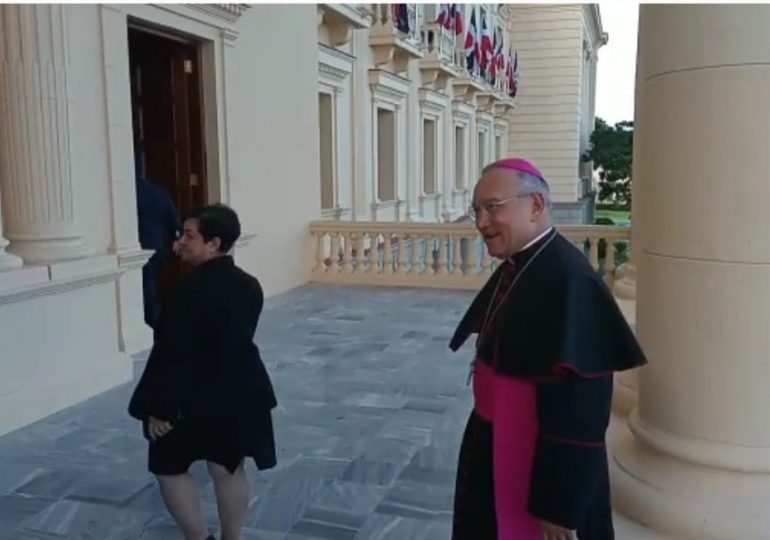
pixel 698 463
pixel 35 153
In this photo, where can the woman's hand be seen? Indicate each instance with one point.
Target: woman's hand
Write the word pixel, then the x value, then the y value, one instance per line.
pixel 157 428
pixel 552 531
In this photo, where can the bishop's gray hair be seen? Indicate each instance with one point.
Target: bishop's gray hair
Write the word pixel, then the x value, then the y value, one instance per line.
pixel 529 184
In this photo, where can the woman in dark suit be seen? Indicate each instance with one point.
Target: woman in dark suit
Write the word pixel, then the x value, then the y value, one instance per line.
pixel 205 393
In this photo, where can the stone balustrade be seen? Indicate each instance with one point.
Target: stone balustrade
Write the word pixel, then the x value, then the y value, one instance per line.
pixel 439 255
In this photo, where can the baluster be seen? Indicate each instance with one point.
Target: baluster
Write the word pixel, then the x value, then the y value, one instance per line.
pixel 387 264
pixel 458 258
pixel 609 263
pixel 334 253
pixel 320 255
pixel 347 257
pixel 415 268
pixel 360 267
pixel 486 261
pixel 374 253
pixel 442 255
pixel 593 252
pixel 471 261
pixel 402 258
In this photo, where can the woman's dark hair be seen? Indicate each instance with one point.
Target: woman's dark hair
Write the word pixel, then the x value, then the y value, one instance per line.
pixel 217 221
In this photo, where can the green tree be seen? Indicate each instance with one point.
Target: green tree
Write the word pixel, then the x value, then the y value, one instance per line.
pixel 611 153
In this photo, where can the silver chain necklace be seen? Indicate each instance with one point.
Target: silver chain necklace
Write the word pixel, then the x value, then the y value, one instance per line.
pixel 491 313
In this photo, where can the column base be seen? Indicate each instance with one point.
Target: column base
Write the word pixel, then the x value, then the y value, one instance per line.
pixel 9 261
pixel 682 500
pixel 49 249
pixel 625 395
pixel 625 287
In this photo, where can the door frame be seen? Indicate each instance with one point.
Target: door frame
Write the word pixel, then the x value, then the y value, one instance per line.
pixel 215 35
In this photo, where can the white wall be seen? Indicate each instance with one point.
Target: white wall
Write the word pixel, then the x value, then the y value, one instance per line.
pixel 272 124
pixel 545 127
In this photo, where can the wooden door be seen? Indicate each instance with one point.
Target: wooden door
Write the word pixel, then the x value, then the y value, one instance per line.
pixel 168 123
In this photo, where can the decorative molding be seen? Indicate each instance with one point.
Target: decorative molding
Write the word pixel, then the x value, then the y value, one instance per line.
pixel 463 111
pixel 593 17
pixel 58 286
pixel 484 118
pixel 229 13
pixel 388 87
pixel 35 153
pixel 336 74
pixel 396 206
pixel 133 259
pixel 338 212
pixel 334 66
pixel 432 101
pixel 340 21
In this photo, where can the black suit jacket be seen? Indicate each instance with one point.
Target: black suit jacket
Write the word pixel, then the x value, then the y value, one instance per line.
pixel 204 362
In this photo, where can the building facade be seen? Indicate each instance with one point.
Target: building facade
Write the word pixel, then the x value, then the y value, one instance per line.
pixel 290 114
pixel 557 48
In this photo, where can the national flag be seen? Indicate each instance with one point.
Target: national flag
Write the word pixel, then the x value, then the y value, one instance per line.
pixel 486 45
pixel 458 22
pixel 497 59
pixel 513 81
pixel 401 17
pixel 445 16
pixel 471 43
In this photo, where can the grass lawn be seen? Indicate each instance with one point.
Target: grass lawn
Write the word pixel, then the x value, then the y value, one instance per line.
pixel 620 217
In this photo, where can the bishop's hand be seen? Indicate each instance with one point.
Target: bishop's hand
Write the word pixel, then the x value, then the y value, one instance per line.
pixel 552 531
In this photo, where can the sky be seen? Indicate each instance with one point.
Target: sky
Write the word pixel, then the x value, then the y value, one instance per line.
pixel 616 71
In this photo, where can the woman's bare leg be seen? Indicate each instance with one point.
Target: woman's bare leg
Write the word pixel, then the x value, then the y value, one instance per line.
pixel 182 497
pixel 232 491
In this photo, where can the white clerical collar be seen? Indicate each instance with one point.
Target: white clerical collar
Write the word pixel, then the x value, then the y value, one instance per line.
pixel 536 240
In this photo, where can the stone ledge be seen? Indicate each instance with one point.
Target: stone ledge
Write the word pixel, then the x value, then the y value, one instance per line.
pixel 36 281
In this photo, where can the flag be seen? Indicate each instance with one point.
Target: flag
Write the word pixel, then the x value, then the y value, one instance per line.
pixel 445 16
pixel 459 24
pixel 401 17
pixel 486 45
pixel 498 62
pixel 513 81
pixel 471 43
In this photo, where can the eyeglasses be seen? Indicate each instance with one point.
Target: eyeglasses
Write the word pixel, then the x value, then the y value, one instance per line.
pixel 491 207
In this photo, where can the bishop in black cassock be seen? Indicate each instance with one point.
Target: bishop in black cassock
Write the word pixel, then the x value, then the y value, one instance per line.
pixel 533 462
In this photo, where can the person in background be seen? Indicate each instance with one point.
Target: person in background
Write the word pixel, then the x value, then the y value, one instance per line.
pixel 158 229
pixel 533 463
pixel 205 393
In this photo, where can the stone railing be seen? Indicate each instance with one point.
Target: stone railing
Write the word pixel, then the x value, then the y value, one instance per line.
pixel 442 255
pixel 387 17
pixel 438 42
pixel 474 71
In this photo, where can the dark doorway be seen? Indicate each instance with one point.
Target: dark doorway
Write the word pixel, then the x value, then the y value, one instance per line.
pixel 166 103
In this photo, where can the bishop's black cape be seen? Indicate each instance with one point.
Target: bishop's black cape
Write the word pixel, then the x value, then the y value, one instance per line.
pixel 561 328
pixel 204 366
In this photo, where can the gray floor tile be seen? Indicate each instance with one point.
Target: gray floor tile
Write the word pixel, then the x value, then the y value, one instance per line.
pixel 372 405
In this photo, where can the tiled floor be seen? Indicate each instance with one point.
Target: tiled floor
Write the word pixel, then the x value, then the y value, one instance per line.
pixel 372 407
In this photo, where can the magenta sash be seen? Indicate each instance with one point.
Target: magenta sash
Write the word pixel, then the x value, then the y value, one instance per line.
pixel 510 405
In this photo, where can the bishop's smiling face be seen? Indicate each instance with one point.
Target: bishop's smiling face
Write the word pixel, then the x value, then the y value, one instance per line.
pixel 506 218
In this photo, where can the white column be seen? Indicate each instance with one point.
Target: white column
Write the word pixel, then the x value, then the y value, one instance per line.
pixel 35 134
pixel 698 464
